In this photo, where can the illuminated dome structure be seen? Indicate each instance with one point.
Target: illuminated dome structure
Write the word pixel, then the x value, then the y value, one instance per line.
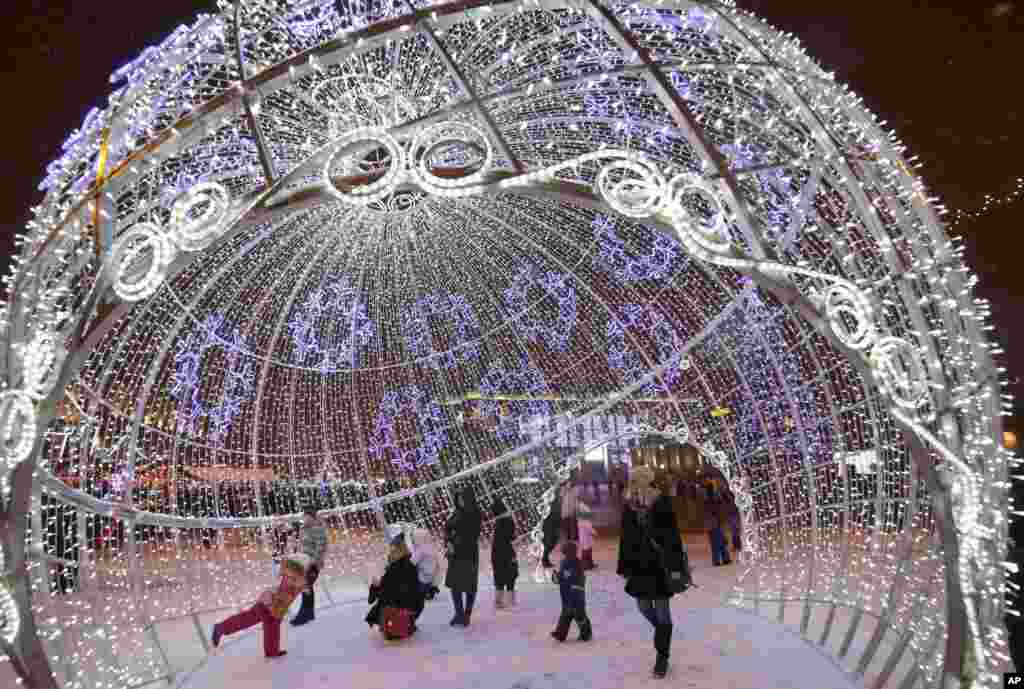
pixel 355 255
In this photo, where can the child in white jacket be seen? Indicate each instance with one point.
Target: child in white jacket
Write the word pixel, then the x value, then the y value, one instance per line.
pixel 428 566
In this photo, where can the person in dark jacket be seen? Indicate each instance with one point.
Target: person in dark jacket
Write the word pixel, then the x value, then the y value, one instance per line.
pixel 503 556
pixel 398 588
pixel 713 515
pixel 652 558
pixel 571 580
pixel 552 528
pixel 732 518
pixel 462 547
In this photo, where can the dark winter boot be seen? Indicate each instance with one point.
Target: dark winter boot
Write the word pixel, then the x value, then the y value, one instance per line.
pixel 470 599
pixel 562 628
pixel 586 633
pixel 460 613
pixel 306 611
pixel 663 645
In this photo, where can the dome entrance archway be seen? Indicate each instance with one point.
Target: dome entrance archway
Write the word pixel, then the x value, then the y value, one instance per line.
pixel 313 256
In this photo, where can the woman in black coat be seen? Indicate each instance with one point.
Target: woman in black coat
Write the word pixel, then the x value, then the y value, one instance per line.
pixel 652 558
pixel 503 555
pixel 552 527
pixel 399 587
pixel 462 548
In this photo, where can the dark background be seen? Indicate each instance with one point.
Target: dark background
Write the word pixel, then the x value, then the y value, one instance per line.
pixel 944 75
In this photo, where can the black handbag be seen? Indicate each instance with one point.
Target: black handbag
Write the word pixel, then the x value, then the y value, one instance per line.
pixel 676 581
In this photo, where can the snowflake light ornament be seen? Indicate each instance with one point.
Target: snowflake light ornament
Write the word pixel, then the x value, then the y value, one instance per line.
pixel 238 387
pixel 330 328
pixel 431 431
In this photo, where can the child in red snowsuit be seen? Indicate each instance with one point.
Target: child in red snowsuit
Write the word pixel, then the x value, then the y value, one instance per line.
pixel 269 609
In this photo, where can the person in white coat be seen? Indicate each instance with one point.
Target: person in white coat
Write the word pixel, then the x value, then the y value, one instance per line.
pixel 428 566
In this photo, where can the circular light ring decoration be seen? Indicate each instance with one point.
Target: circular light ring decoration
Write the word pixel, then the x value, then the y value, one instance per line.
pixel 10 618
pixel 334 307
pixel 239 383
pixel 430 427
pixel 653 324
pixel 614 259
pixel 557 334
pixel 850 315
pixel 18 426
pixel 633 186
pixel 41 360
pixel 374 191
pixel 143 242
pixel 524 379
pixel 699 235
pixel 441 134
pixel 193 231
pixel 452 308
pixel 900 372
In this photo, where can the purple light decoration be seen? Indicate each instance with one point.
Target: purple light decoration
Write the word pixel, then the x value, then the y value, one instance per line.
pixel 430 426
pixel 597 106
pixel 319 19
pixel 446 307
pixel 524 379
pixel 649 322
pixel 239 379
pixel 556 334
pixel 613 257
pixel 765 377
pixel 330 328
pixel 788 210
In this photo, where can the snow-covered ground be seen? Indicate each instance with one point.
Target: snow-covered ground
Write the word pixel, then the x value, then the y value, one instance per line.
pixel 714 647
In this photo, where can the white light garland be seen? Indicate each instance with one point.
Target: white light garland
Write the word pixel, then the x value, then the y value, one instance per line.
pixel 18 426
pixel 143 244
pixel 561 100
pixel 195 232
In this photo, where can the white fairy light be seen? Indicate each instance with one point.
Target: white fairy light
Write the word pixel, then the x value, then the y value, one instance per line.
pixel 18 426
pixel 193 232
pixel 771 403
pixel 143 244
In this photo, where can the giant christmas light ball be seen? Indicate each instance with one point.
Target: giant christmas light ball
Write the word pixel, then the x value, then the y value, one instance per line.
pixel 357 256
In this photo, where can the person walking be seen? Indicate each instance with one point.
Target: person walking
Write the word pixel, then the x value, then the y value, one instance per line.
pixel 314 546
pixel 732 518
pixel 652 558
pixel 571 580
pixel 462 548
pixel 713 523
pixel 503 556
pixel 551 527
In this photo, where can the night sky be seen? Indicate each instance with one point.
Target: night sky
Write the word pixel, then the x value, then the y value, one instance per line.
pixel 941 72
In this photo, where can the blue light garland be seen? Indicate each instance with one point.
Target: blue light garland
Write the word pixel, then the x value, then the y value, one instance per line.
pixel 331 327
pixel 239 379
pixel 449 307
pixel 430 425
pixel 524 379
pixel 556 334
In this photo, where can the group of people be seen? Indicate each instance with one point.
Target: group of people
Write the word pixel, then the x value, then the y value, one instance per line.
pixel 652 559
